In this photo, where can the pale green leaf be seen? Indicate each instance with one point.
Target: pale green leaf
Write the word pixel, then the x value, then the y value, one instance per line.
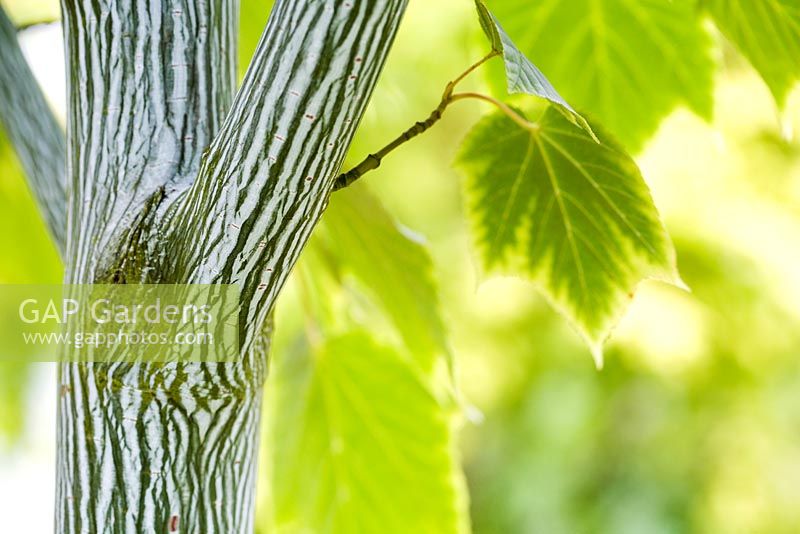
pixel 29 257
pixel 391 263
pixel 629 62
pixel 489 25
pixel 573 215
pixel 29 254
pixel 767 32
pixel 253 15
pixel 27 12
pixel 522 76
pixel 14 383
pixel 357 443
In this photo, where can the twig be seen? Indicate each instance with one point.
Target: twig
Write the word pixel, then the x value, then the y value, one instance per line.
pixel 452 85
pixel 373 161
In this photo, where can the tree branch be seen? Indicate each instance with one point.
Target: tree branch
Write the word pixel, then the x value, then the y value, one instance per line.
pixel 149 85
pixel 373 161
pixel 266 178
pixel 34 131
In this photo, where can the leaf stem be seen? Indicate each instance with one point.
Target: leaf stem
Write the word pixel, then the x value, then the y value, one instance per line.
pixel 452 85
pixel 505 108
pixel 373 161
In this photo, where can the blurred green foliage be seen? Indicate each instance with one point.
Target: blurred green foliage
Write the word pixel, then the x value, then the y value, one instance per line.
pixel 694 424
pixel 769 36
pixel 27 12
pixel 28 257
pixel 626 62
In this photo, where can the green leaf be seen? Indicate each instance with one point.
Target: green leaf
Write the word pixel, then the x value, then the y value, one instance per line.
pixel 29 257
pixel 29 254
pixel 391 263
pixel 767 32
pixel 357 443
pixel 572 215
pixel 28 12
pixel 14 382
pixel 490 26
pixel 522 76
pixel 630 62
pixel 253 15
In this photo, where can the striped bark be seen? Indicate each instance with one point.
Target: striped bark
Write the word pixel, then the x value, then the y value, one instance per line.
pixel 267 176
pixel 159 447
pixel 174 177
pixel 34 132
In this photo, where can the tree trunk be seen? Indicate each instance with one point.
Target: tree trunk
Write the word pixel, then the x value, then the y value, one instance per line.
pixel 175 177
pixel 159 447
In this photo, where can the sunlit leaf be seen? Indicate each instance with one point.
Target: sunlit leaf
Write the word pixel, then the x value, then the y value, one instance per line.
pixel 253 16
pixel 490 26
pixel 29 256
pixel 767 32
pixel 14 381
pixel 389 261
pixel 357 443
pixel 571 214
pixel 27 12
pixel 522 76
pixel 630 62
